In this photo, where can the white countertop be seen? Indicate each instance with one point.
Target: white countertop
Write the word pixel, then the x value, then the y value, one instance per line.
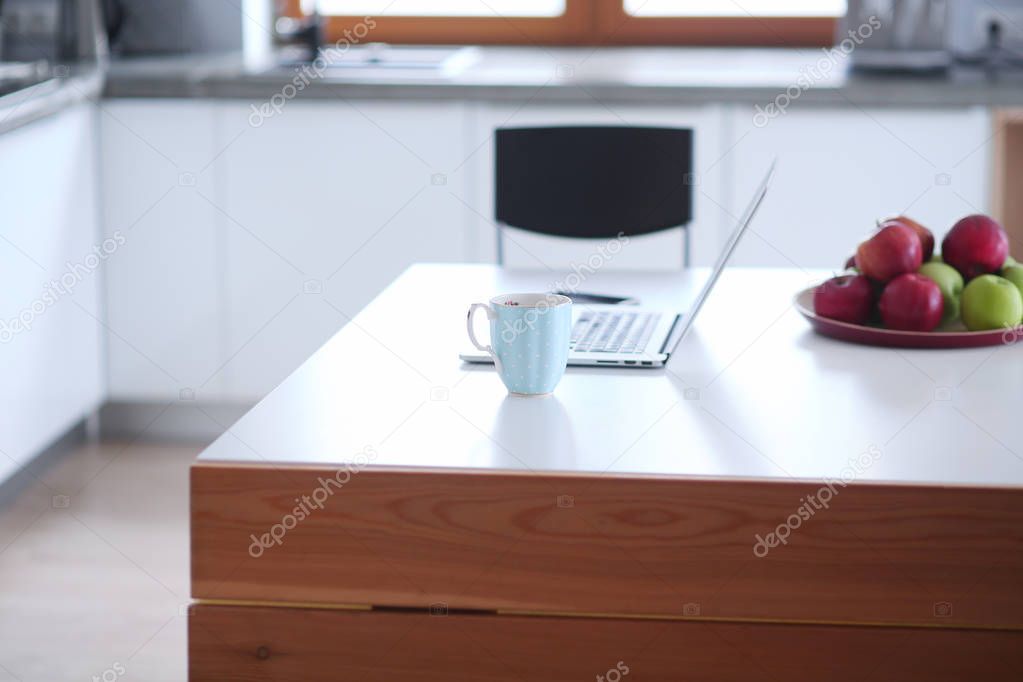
pixel 750 393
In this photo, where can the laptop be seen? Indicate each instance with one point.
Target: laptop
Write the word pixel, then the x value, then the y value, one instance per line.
pixel 642 338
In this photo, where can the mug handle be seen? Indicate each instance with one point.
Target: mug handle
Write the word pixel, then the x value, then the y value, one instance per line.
pixel 489 350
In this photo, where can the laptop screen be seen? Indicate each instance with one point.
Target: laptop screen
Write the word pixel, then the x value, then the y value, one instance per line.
pixel 726 253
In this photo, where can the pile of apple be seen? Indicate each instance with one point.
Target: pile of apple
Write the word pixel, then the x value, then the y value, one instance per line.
pixel 902 284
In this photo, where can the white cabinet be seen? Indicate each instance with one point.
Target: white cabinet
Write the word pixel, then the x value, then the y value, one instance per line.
pixel 248 246
pixel 51 259
pixel 839 170
pixel 165 286
pixel 326 203
pixel 250 241
pixel 659 251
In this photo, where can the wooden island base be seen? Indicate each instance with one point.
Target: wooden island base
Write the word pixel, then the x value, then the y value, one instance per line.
pixel 247 643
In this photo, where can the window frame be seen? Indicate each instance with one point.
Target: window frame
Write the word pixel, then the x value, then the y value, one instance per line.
pixel 587 22
pixel 566 29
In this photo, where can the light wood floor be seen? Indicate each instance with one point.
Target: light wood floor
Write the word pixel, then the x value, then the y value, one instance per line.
pixel 94 585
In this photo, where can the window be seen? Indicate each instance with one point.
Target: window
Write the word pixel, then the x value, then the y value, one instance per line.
pixel 584 22
pixel 774 23
pixel 738 8
pixel 444 8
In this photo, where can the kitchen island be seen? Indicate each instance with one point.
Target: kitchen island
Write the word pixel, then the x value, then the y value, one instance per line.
pixel 396 514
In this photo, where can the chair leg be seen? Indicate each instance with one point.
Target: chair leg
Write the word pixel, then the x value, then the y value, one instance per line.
pixel 686 261
pixel 500 246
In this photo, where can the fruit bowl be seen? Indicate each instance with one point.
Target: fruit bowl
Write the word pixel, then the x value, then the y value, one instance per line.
pixel 957 337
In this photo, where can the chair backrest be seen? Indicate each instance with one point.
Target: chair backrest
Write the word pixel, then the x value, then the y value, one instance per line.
pixel 594 181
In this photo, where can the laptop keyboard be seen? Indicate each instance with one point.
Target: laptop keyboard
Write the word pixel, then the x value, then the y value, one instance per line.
pixel 607 332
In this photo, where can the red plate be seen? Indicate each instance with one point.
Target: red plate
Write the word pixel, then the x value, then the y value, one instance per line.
pixel 878 336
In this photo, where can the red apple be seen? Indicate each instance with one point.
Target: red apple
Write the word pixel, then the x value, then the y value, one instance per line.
pixel 925 235
pixel 895 249
pixel 849 298
pixel 912 302
pixel 976 245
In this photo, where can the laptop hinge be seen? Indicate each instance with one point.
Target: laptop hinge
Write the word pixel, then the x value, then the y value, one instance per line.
pixel 670 336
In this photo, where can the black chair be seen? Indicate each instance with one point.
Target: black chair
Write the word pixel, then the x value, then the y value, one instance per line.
pixel 593 182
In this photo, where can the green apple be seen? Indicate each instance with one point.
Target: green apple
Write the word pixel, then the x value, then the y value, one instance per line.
pixel 949 281
pixel 936 258
pixel 1009 262
pixel 1014 273
pixel 991 302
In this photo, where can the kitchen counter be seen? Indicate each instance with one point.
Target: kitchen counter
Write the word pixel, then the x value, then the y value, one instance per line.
pixel 751 75
pixel 33 102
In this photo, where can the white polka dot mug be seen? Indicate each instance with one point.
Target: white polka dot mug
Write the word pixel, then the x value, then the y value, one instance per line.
pixel 529 337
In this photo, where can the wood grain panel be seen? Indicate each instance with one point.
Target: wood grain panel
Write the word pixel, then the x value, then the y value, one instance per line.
pixel 921 555
pixel 229 644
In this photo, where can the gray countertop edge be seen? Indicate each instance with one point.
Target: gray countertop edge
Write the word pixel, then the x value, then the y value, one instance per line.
pixel 747 76
pixel 36 102
pixel 256 90
pixel 592 93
